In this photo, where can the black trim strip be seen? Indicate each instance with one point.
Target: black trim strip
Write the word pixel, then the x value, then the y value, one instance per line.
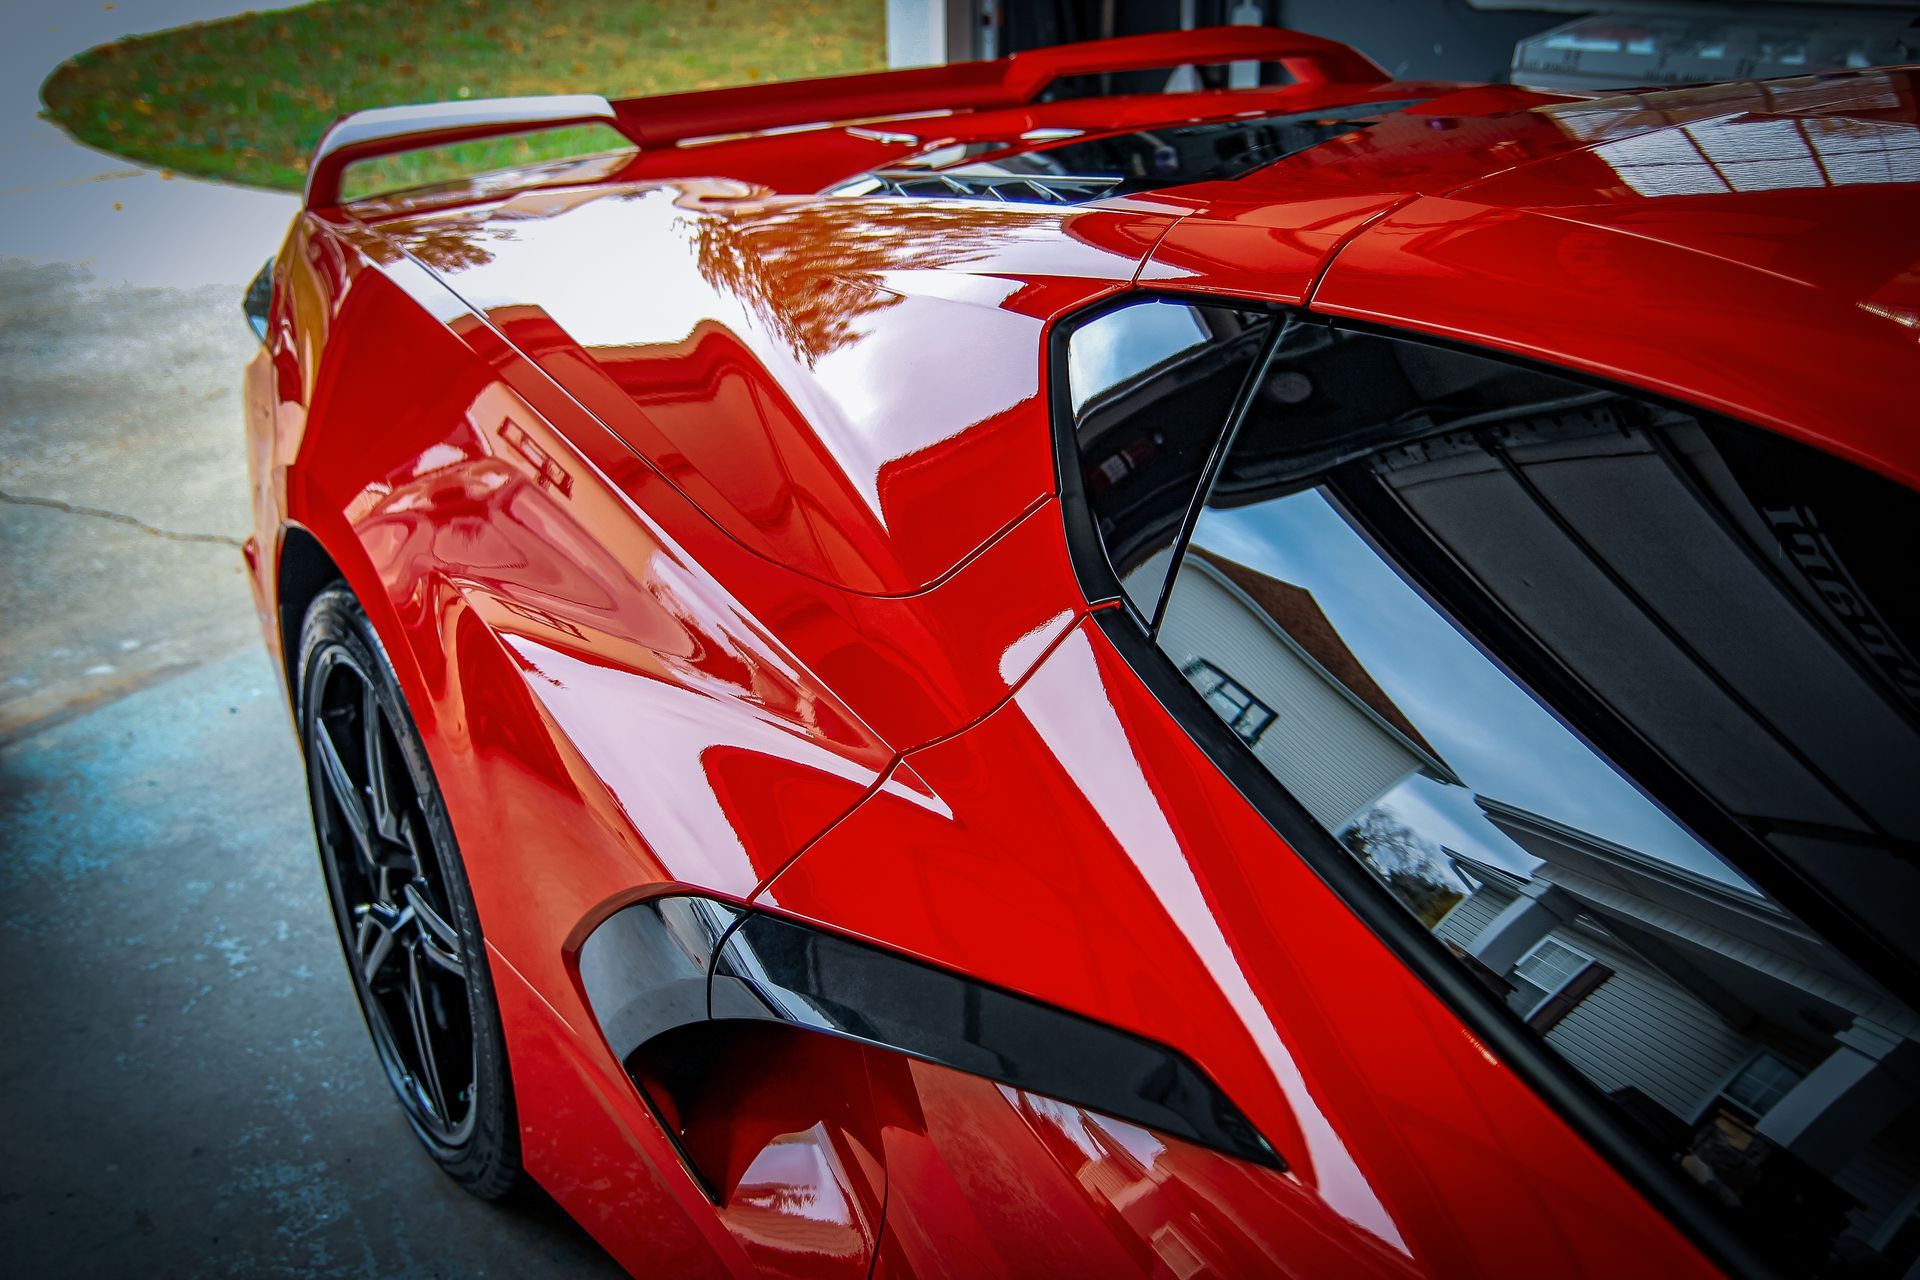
pixel 671 963
pixel 1086 551
pixel 1217 457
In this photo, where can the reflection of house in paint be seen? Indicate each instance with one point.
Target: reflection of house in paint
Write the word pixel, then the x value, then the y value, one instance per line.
pixel 1720 1022
pixel 1271 664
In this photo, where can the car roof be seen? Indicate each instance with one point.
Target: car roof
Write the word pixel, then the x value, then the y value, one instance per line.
pixel 1754 248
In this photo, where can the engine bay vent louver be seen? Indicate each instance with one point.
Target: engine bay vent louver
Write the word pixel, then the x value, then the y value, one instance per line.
pixel 1080 169
pixel 1026 188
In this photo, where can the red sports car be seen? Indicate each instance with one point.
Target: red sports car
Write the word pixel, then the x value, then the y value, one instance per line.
pixel 998 671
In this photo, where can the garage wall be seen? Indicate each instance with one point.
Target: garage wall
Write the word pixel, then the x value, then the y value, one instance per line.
pixel 1413 39
pixel 1436 39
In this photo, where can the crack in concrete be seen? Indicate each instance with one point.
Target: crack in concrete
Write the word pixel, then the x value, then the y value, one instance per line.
pixel 172 535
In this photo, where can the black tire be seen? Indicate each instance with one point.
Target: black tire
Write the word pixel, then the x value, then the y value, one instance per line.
pixel 401 901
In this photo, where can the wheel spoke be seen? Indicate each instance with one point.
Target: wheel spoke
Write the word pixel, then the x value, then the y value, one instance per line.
pixel 416 1001
pixel 417 849
pixel 439 940
pixel 386 813
pixel 373 940
pixel 375 945
pixel 347 798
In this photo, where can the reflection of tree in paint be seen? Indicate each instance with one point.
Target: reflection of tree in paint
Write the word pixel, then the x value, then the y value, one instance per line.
pixel 810 270
pixel 1417 874
pixel 453 247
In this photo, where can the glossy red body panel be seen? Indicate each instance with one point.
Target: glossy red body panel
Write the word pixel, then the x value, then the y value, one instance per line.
pixel 1796 242
pixel 777 375
pixel 974 1164
pixel 713 532
pixel 784 1129
pixel 1405 270
pixel 1076 847
pixel 583 1146
pixel 1271 233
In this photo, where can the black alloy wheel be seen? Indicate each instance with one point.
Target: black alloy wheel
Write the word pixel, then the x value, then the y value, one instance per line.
pixel 401 902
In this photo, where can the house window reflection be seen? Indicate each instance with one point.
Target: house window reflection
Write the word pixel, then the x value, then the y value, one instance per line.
pixel 1760 1085
pixel 1245 714
pixel 1544 972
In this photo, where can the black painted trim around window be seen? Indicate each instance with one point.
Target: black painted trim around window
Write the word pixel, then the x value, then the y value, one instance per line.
pixel 1217 458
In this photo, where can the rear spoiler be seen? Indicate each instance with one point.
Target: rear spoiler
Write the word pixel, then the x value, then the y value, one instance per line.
pixel 389 131
pixel 667 119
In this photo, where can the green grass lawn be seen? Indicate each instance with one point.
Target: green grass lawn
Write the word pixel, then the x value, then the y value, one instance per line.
pixel 245 100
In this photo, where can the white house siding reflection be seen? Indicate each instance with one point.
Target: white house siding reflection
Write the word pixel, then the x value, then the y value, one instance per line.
pixel 1335 735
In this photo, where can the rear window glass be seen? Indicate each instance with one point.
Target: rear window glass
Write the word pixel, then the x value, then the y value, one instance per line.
pixel 1620 702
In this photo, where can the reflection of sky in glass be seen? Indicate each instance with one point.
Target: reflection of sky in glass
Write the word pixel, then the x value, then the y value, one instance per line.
pixel 1492 734
pixel 1118 346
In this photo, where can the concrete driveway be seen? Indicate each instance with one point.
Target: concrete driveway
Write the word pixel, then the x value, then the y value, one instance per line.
pixel 186 1088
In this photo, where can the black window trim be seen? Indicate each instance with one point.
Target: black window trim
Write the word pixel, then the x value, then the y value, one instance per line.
pixel 1217 457
pixel 1576 1099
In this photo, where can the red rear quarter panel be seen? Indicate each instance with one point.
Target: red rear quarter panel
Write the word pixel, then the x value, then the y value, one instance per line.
pixel 618 692
pixel 1077 847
